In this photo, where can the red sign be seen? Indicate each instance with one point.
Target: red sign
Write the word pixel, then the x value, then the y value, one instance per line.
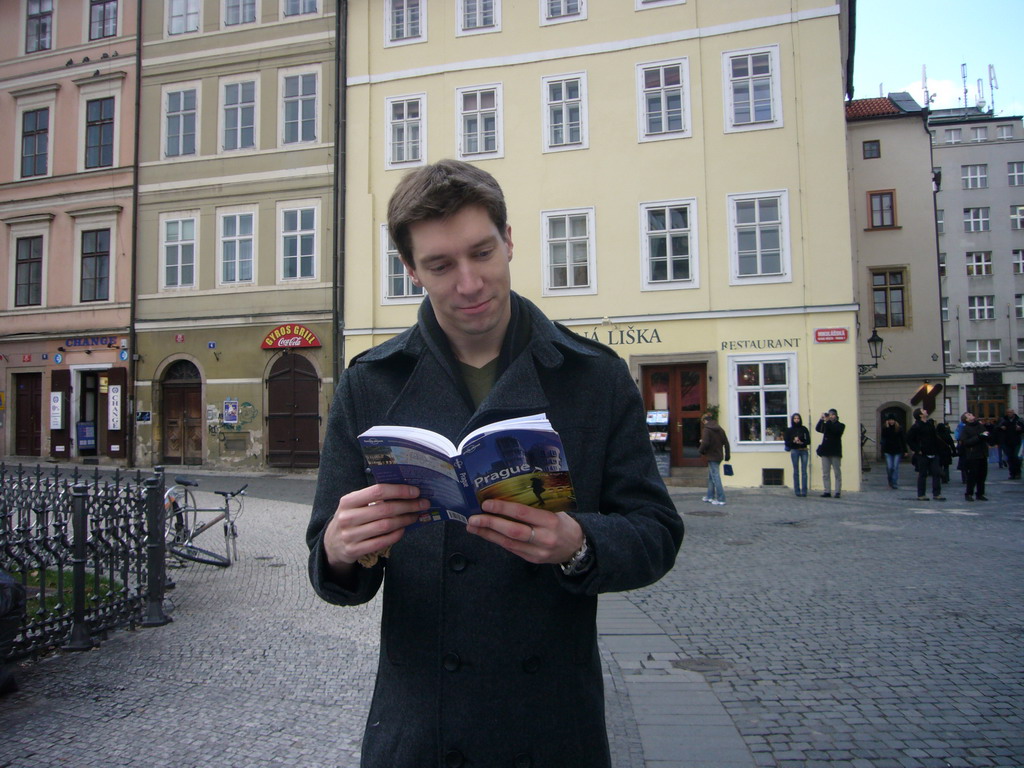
pixel 828 335
pixel 290 336
pixel 180 338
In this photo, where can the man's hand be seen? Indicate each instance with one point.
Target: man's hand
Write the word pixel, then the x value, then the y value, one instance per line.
pixel 536 535
pixel 368 520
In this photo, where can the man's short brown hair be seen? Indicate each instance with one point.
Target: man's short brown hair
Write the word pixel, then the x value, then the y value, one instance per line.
pixel 439 191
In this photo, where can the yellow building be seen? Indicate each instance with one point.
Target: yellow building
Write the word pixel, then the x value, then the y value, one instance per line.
pixel 676 180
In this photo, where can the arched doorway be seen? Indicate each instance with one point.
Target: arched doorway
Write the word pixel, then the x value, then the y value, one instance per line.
pixel 182 413
pixel 293 413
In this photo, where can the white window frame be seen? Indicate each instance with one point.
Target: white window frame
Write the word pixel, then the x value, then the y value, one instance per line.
pixel 499 150
pixel 165 93
pixel 420 37
pixel 283 75
pixel 646 5
pixel 641 102
pixel 591 239
pixel 791 388
pixel 222 214
pixel 189 5
pixel 84 223
pixel 947 353
pixel 87 22
pixel 1018 306
pixel 1015 173
pixel 735 278
pixel 977 219
pixel 546 20
pixel 991 353
pixel 389 123
pixel 463 31
pixel 693 281
pixel 28 101
pixel 319 11
pixel 164 220
pixel 282 209
pixel 1017 217
pixel 979 133
pixel 979 260
pixel 940 221
pixel 1018 261
pixel 238 25
pixel 584 142
pixel 944 309
pixel 954 136
pixel 776 90
pixel 974 176
pixel 222 121
pixel 1004 132
pixel 38 226
pixel 388 250
pixel 107 88
pixel 981 307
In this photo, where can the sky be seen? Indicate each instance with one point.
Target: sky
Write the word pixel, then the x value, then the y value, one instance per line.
pixel 895 38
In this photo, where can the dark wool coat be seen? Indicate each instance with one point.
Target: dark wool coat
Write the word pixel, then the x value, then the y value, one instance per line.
pixel 485 659
pixel 973 442
pixel 832 437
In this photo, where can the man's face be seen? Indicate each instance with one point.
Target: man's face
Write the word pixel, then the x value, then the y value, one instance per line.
pixel 1011 413
pixel 924 415
pixel 463 264
pixel 970 417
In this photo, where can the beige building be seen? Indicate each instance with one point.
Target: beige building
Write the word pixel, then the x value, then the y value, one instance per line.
pixel 896 260
pixel 236 232
pixel 676 178
pixel 67 96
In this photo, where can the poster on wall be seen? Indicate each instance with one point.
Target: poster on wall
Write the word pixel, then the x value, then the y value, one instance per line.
pixel 56 410
pixel 230 411
pixel 114 407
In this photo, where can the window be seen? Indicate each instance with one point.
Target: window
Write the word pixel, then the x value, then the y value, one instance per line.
pixel 1018 306
pixel 182 16
pixel 404 21
pixel 298 243
pixel 299 7
pixel 300 108
pixel 1018 261
pixel 1004 132
pixel 664 101
pixel 569 258
pixel 871 149
pixel 888 291
pixel 239 115
pixel 979 263
pixel 764 395
pixel 979 134
pixel 398 285
pixel 476 16
pixel 1017 217
pixel 237 238
pixel 974 176
pixel 983 351
pixel 99 133
pixel 180 126
pixel 953 136
pixel 1020 348
pixel 28 273
pixel 35 142
pixel 944 309
pixel 883 209
pixel 947 354
pixel 565 112
pixel 942 265
pixel 981 308
pixel 179 250
pixel 239 12
pixel 1015 173
pixel 760 236
pixel 95 265
pixel 38 25
pixel 976 220
pixel 669 245
pixel 406 118
pixel 558 11
pixel 102 19
pixel 479 122
pixel 753 96
pixel 940 221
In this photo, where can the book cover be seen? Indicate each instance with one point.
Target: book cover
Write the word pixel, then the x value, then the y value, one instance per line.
pixel 519 460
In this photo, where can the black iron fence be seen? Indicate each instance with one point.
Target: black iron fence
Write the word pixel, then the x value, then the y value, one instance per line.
pixel 89 550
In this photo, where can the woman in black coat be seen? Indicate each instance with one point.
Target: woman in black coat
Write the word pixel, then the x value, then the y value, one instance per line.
pixel 797 439
pixel 975 440
pixel 894 447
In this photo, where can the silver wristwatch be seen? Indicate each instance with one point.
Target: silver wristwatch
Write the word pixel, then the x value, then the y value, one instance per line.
pixel 580 561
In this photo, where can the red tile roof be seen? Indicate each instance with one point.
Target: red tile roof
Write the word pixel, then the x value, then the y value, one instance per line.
pixel 859 109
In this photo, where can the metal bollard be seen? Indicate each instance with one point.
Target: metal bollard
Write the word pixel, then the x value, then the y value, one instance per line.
pixel 81 638
pixel 156 555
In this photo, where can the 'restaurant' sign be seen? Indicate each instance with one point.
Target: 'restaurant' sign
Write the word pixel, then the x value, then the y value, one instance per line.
pixel 290 336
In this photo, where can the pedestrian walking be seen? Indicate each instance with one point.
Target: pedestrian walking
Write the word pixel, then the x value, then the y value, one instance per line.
pixel 1011 431
pixel 975 439
pixel 894 448
pixel 714 446
pixel 831 450
pixel 928 449
pixel 798 440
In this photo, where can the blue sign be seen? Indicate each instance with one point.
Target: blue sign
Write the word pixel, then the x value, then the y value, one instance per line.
pixel 86 435
pixel 124 354
pixel 58 358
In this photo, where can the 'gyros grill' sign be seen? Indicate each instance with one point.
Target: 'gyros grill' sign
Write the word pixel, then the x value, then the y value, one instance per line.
pixel 290 336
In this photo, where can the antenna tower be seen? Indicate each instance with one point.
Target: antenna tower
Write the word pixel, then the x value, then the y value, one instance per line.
pixel 993 86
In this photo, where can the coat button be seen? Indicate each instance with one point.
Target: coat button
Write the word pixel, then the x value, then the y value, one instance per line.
pixel 454 759
pixel 457 562
pixel 523 761
pixel 451 662
pixel 531 664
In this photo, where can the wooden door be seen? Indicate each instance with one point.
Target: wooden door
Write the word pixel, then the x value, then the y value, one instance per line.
pixel 28 413
pixel 682 389
pixel 293 413
pixel 182 424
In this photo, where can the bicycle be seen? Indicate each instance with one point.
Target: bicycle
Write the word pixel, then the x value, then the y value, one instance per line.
pixel 183 524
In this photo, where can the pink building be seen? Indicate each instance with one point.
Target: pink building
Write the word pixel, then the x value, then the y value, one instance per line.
pixel 67 121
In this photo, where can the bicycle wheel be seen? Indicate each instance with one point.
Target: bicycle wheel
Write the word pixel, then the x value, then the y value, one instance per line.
pixel 190 551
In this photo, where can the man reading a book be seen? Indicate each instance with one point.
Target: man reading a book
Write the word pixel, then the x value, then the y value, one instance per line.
pixel 489 651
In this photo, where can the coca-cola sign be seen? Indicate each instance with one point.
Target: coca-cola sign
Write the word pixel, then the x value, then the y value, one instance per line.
pixel 290 336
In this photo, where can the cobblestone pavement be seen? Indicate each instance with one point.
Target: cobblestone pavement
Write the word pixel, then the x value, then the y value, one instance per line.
pixel 863 632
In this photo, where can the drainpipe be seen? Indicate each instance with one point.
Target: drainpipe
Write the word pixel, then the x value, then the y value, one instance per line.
pixel 132 337
pixel 340 142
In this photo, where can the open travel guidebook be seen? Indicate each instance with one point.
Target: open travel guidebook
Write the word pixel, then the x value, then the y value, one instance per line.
pixel 518 460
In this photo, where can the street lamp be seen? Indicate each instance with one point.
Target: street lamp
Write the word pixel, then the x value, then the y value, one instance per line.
pixel 875 348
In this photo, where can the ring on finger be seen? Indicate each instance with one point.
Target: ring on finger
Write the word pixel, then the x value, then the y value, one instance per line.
pixel 533 532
